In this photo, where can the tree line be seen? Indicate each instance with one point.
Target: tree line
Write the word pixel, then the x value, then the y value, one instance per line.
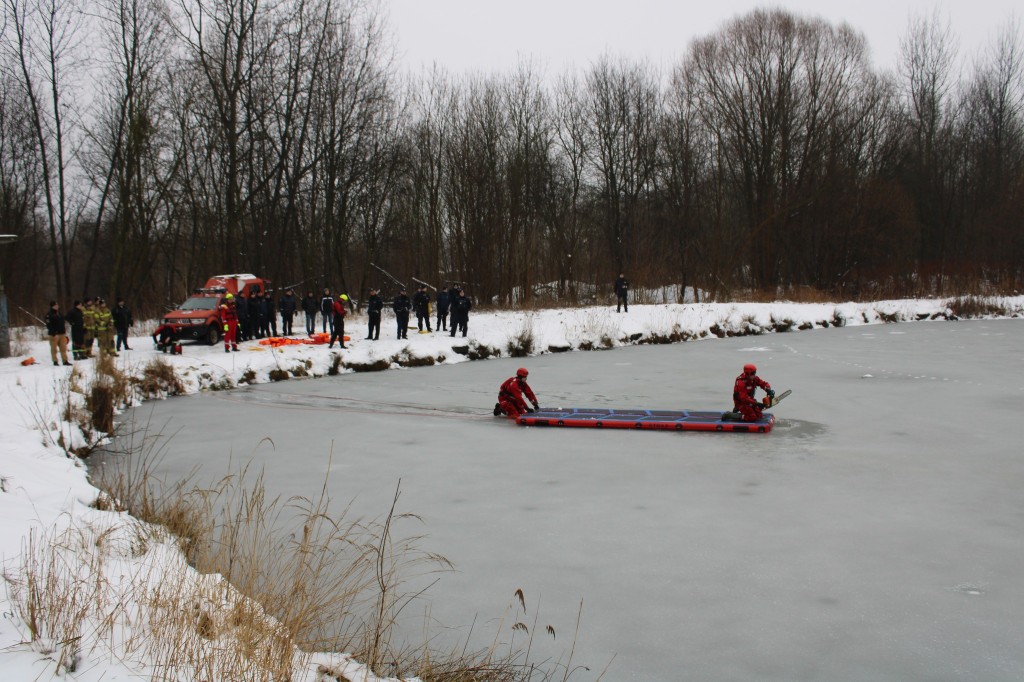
pixel 148 144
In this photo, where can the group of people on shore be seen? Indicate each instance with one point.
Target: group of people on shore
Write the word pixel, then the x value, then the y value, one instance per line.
pixel 91 322
pixel 245 318
pixel 453 305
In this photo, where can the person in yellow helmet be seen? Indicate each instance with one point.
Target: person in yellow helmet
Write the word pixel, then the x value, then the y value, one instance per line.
pixel 229 318
pixel 338 327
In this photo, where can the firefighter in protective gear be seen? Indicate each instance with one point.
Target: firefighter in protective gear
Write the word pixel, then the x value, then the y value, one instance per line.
pixel 104 321
pixel 743 390
pixel 229 318
pixel 511 396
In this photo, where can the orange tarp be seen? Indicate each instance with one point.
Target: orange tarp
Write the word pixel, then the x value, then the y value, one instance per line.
pixel 315 339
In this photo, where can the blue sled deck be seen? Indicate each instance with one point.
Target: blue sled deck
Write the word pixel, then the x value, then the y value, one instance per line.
pixel 661 420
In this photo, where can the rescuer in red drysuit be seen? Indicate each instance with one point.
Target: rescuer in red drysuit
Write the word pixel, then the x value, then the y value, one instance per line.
pixel 163 337
pixel 229 318
pixel 510 396
pixel 743 398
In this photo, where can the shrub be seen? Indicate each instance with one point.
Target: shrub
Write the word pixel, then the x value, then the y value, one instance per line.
pixel 278 374
pixel 109 391
pixel 158 379
pixel 522 342
pixel 976 306
pixel 481 351
pixel 373 366
pixel 407 359
pixel 784 325
pixel 335 368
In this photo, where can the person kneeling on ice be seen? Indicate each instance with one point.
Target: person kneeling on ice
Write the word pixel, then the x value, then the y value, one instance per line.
pixel 743 394
pixel 163 337
pixel 510 396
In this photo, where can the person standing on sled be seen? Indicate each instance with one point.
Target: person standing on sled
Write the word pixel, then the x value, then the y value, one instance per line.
pixel 510 396
pixel 743 394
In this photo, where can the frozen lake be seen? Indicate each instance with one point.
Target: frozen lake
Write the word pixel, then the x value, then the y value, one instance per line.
pixel 876 534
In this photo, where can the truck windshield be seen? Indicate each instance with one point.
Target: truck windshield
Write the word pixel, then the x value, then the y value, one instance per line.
pixel 200 303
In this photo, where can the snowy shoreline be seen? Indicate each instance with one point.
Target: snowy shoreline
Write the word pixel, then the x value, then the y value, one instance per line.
pixel 42 490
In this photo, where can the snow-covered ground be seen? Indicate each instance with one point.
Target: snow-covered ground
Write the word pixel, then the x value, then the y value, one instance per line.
pixel 46 500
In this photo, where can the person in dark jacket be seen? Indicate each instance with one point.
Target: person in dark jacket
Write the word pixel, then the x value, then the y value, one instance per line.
pixel 122 321
pixel 242 314
pixel 338 323
pixel 165 338
pixel 622 293
pixel 57 331
pixel 77 321
pixel 444 300
pixel 287 308
pixel 460 312
pixel 402 305
pixel 268 325
pixel 272 312
pixel 374 306
pixel 327 310
pixel 421 302
pixel 310 306
pixel 252 315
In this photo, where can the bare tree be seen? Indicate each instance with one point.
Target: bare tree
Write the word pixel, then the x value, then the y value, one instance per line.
pixel 572 153
pixel 934 152
pixel 42 38
pixel 623 106
pixel 995 110
pixel 133 141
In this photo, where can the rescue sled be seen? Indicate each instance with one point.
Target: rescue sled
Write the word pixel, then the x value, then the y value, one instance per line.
pixel 661 420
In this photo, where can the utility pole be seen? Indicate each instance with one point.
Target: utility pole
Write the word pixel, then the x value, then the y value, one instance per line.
pixel 5 332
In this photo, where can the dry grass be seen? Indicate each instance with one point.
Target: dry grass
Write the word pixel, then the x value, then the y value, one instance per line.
pixel 110 391
pixel 976 306
pixel 158 379
pixel 793 294
pixel 322 582
pixel 522 342
pixel 297 577
pixel 51 591
pixel 22 339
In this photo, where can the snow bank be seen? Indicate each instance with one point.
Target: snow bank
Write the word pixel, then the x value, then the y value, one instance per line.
pixel 52 532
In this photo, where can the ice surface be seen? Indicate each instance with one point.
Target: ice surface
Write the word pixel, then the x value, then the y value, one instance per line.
pixel 874 534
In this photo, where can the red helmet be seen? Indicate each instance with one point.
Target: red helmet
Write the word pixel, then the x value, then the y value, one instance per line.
pixel 522 373
pixel 749 369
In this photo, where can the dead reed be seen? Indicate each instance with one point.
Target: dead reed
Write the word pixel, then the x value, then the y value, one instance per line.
pixel 314 579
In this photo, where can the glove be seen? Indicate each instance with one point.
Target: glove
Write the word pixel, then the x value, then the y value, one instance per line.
pixel 771 393
pixel 529 411
pixel 536 406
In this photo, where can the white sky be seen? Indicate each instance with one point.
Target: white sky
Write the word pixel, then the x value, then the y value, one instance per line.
pixel 490 36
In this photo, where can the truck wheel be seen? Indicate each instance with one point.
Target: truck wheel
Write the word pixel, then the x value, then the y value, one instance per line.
pixel 214 336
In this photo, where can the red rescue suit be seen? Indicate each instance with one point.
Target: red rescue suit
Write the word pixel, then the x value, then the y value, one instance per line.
pixel 163 337
pixel 510 397
pixel 743 396
pixel 229 318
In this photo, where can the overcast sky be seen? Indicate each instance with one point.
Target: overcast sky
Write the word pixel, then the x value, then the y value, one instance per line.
pixel 488 35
